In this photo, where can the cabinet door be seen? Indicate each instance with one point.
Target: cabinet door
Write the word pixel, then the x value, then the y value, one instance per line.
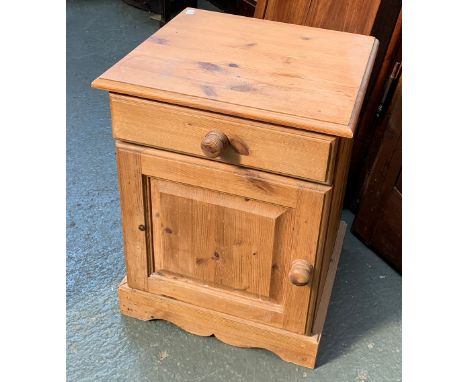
pixel 219 236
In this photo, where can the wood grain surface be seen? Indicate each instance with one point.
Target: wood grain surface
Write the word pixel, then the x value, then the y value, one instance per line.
pixel 133 217
pixel 322 306
pixel 214 237
pixel 341 172
pixel 240 66
pixel 354 16
pixel 225 238
pixel 251 144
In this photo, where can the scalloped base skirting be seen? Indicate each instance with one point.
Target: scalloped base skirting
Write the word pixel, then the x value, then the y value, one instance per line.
pixel 291 347
pixel 235 331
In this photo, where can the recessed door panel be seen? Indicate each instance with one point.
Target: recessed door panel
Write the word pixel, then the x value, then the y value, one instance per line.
pixel 221 239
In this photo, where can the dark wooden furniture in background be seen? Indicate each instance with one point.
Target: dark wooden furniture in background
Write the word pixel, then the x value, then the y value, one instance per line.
pixel 356 16
pixel 236 7
pixel 166 8
pixel 169 8
pixel 370 130
pixel 378 221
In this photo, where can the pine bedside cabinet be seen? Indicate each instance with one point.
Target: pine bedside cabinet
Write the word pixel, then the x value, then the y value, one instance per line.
pixel 233 140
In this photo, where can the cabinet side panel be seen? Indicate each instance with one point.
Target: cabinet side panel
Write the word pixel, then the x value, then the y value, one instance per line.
pixel 341 174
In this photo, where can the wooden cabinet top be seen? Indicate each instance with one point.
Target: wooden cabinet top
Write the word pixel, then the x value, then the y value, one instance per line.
pixel 291 75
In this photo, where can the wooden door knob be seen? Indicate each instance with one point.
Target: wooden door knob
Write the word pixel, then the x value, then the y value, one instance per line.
pixel 300 273
pixel 214 143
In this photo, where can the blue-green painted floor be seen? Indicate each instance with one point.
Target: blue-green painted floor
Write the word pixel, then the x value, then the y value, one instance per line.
pixel 362 337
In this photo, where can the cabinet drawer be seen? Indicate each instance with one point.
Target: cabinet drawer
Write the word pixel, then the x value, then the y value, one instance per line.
pixel 237 241
pixel 250 144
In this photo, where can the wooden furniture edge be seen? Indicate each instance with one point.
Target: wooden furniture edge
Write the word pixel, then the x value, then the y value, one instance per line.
pixel 207 104
pixel 260 9
pixel 333 225
pixel 291 347
pixel 330 280
pixel 286 181
pixel 354 119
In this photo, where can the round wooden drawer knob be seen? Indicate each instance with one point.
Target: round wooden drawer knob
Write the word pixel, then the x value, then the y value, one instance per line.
pixel 300 273
pixel 214 143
